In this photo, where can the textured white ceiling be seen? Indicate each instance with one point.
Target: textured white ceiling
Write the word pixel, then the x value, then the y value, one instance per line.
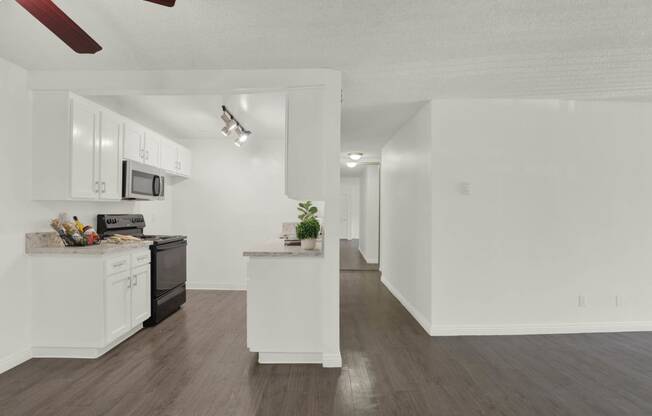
pixel 393 53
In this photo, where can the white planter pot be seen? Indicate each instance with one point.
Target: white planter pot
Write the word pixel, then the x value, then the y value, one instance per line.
pixel 308 244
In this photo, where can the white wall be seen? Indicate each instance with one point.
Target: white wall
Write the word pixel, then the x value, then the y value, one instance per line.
pixel 20 215
pixel 559 206
pixel 405 215
pixel 234 201
pixel 14 267
pixel 369 213
pixel 350 191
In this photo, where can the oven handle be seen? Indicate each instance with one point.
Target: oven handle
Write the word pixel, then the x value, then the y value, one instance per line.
pixel 170 246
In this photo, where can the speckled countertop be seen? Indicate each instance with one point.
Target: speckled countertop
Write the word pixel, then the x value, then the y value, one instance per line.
pixel 278 249
pixel 50 243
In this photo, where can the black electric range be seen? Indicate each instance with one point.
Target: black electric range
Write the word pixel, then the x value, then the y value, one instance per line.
pixel 168 263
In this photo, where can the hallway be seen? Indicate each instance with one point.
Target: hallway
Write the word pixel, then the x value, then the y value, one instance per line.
pixel 197 363
pixel 351 259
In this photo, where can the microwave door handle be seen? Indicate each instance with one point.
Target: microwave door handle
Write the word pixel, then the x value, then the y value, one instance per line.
pixel 156 185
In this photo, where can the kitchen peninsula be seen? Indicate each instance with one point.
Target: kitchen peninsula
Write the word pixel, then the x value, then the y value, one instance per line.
pixel 283 303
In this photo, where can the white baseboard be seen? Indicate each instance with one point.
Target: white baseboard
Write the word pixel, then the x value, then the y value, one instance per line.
pixel 332 360
pixel 368 260
pixel 289 358
pixel 540 329
pixel 15 359
pixel 422 320
pixel 215 286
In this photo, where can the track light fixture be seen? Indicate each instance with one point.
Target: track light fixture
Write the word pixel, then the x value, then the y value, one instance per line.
pixel 233 125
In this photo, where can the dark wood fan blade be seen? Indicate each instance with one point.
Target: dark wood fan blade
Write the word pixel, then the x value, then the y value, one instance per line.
pixel 52 17
pixel 168 3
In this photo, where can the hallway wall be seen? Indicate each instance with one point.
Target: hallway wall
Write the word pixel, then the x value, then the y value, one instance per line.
pixel 369 213
pixel 405 215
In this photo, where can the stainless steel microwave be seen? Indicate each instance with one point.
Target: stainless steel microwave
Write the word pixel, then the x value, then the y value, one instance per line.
pixel 141 182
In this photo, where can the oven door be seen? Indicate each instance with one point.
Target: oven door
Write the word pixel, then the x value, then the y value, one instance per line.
pixel 141 182
pixel 168 267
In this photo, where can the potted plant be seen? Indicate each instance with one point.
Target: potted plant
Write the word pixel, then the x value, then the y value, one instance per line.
pixel 308 228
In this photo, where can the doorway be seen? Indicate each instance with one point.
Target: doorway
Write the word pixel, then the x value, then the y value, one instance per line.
pixel 355 211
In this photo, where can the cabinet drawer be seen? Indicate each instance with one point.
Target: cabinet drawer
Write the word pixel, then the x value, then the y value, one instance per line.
pixel 140 258
pixel 116 265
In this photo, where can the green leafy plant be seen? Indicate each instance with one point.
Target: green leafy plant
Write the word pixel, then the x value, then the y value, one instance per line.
pixel 308 229
pixel 307 210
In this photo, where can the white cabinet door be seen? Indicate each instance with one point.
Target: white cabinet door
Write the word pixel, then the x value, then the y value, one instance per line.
pixel 152 149
pixel 84 172
pixel 133 142
pixel 185 161
pixel 169 156
pixel 110 161
pixel 118 305
pixel 140 295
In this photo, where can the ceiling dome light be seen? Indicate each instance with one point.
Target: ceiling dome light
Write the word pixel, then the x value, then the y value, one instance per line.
pixel 351 164
pixel 355 156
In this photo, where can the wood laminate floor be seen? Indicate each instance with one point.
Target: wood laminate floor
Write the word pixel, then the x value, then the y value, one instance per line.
pixel 196 363
pixel 351 259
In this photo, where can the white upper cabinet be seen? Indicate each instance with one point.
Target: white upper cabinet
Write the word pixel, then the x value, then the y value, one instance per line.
pixel 110 161
pixel 304 136
pixel 141 145
pixel 175 158
pixel 84 167
pixel 76 149
pixel 152 149
pixel 169 156
pixel 133 142
pixel 185 161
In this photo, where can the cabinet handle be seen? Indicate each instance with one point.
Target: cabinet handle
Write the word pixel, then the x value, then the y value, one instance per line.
pixel 129 283
pixel 103 187
pixel 119 264
pixel 146 154
pixel 136 280
pixel 97 187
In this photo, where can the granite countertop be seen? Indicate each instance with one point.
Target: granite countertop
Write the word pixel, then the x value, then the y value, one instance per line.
pixel 50 243
pixel 279 249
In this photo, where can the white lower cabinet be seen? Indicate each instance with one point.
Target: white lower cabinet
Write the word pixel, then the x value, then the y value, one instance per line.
pixel 118 296
pixel 84 305
pixel 141 307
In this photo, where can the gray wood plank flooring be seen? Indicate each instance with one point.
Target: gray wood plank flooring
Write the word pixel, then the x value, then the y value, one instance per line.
pixel 197 363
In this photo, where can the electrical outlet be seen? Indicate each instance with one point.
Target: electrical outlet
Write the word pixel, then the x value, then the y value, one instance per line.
pixel 581 301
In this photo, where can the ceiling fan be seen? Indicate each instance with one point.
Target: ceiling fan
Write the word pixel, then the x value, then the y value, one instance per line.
pixel 52 17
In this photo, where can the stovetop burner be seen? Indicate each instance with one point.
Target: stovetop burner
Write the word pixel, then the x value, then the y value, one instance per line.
pixel 131 224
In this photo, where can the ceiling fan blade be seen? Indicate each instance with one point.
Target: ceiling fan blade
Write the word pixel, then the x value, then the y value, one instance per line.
pixel 167 3
pixel 52 17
